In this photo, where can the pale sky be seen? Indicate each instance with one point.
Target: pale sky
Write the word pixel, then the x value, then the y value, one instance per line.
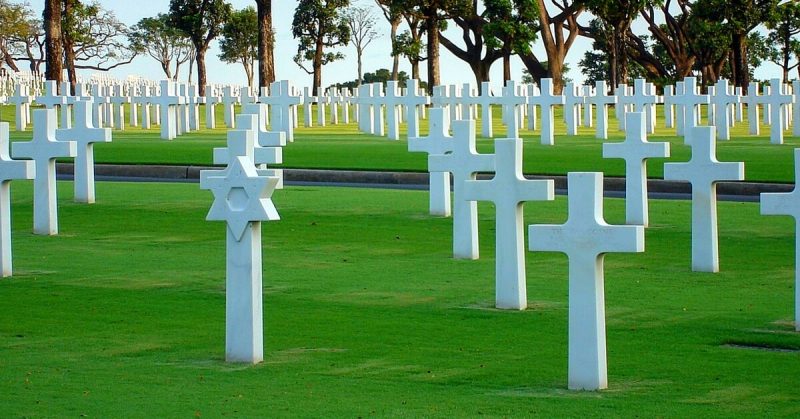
pixel 376 56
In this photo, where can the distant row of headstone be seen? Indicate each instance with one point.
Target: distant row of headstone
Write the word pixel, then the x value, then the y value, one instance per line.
pixel 242 192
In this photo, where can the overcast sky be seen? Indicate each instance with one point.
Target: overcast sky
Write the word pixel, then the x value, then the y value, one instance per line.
pixel 376 56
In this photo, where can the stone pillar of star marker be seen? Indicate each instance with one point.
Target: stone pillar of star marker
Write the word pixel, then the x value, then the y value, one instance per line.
pixel 572 100
pixel 411 101
pixel 532 91
pixel 438 142
pixel 753 100
pixel 229 100
pixel 669 115
pixel 635 150
pixel 242 198
pixel 546 100
pixel 9 170
pixel 511 101
pixel 392 101
pixel 601 100
pixel 704 171
pixel 508 190
pixel 721 101
pixel 376 102
pixel 788 203
pixel 587 107
pixel 44 149
pixel 84 135
pixel 21 100
pixel 776 100
pixel 586 238
pixel 463 162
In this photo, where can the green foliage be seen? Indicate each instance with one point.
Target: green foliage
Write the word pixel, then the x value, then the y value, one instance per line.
pixel 164 43
pixel 379 76
pixel 239 40
pixel 319 24
pixel 405 45
pixel 781 42
pixel 98 35
pixel 512 22
pixel 200 20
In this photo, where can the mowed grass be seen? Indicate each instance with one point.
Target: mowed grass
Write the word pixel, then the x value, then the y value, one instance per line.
pixel 366 314
pixel 342 146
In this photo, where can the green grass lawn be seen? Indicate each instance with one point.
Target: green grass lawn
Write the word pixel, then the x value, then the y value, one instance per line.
pixel 343 147
pixel 366 314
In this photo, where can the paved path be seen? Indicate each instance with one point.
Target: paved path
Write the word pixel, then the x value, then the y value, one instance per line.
pixel 614 186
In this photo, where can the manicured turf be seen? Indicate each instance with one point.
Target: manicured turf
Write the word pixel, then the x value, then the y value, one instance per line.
pixel 366 314
pixel 343 147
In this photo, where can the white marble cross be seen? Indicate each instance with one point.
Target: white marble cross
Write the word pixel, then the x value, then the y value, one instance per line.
pixel 322 104
pixel 281 104
pixel 586 238
pixel 22 99
pixel 167 101
pixel 722 100
pixel 643 101
pixel 776 100
pixel 393 100
pixel 268 144
pixel 600 100
pixel 437 142
pixel 532 92
pixel 572 102
pixel 486 99
pixel 690 101
pixel 588 93
pixel 242 198
pixel 753 99
pixel 509 189
pixel 412 100
pixel 788 204
pixel 44 149
pixel 365 111
pixel 212 99
pixel 9 170
pixel 229 100
pixel 84 135
pixel 511 101
pixel 376 103
pixel 703 171
pixel 547 100
pixel 308 101
pixel 66 109
pixel 51 99
pixel 624 95
pixel 463 162
pixel 669 106
pixel 636 150
pixel 119 100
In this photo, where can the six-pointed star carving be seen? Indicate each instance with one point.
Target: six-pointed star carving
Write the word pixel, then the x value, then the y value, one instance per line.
pixel 240 195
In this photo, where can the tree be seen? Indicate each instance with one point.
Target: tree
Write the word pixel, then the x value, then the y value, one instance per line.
pixel 17 24
pixel 318 24
pixel 93 38
pixel 672 36
pixel 393 12
pixel 379 76
pixel 557 33
pixel 362 31
pixel 201 21
pixel 617 16
pixel 239 41
pixel 410 45
pixel 737 18
pixel 511 27
pixel 266 43
pixel 782 44
pixel 165 44
pixel 435 13
pixel 54 49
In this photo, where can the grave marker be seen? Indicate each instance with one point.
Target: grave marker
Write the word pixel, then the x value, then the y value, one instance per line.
pixel 438 142
pixel 84 135
pixel 9 170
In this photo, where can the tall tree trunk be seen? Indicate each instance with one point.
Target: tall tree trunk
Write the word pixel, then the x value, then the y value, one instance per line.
pixel 317 68
pixel 739 62
pixel 415 69
pixel 53 43
pixel 201 71
pixel 359 53
pixel 432 24
pixel 613 64
pixel 266 44
pixel 481 71
pixel 69 47
pixel 248 71
pixel 395 57
pixel 506 67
